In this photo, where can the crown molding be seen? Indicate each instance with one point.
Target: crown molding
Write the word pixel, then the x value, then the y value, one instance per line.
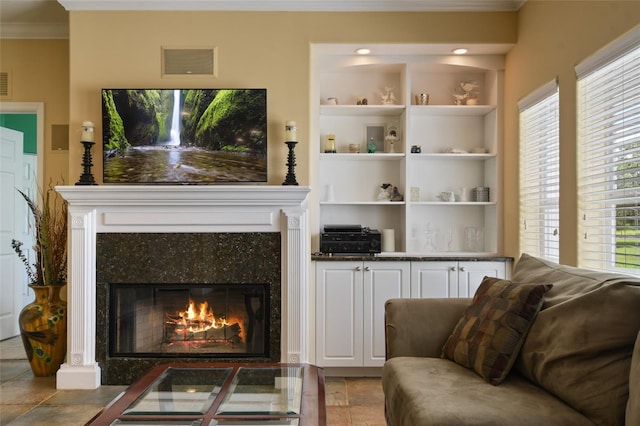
pixel 299 5
pixel 57 30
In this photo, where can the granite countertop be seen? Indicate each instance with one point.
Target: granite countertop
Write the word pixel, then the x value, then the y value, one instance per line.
pixel 386 257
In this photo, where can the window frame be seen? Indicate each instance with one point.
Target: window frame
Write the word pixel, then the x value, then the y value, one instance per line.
pixel 539 172
pixel 608 146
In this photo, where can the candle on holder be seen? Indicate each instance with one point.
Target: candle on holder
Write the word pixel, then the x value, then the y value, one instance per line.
pixel 330 143
pixel 86 139
pixel 290 131
pixel 87 131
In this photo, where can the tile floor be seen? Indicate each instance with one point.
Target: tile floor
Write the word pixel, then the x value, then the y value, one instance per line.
pixel 28 400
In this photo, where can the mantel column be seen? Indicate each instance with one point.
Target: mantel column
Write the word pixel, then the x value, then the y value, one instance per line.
pixel 81 371
pixel 295 271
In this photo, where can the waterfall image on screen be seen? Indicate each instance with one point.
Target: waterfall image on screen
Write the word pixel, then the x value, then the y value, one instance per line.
pixel 184 136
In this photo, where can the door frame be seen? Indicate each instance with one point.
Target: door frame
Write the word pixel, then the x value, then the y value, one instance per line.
pixel 36 108
pixel 33 108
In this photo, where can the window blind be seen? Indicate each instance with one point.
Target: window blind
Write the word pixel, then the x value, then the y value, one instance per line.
pixel 609 157
pixel 540 173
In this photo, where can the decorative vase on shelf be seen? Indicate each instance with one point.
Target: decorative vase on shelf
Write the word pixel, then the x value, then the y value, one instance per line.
pixel 43 328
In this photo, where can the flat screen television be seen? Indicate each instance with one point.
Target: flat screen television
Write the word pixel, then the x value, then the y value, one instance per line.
pixel 184 136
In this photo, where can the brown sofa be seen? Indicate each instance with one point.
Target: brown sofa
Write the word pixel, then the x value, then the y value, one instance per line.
pixel 579 363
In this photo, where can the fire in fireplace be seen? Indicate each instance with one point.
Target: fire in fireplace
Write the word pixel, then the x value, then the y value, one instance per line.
pixel 194 320
pixel 200 326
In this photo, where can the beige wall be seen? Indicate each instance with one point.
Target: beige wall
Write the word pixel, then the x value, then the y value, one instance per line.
pixel 271 50
pixel 554 36
pixel 40 73
pixel 265 50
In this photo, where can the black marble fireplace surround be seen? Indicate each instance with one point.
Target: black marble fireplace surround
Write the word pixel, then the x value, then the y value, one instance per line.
pixel 189 258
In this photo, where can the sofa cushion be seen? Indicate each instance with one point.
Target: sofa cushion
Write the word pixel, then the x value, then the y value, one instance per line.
pixel 434 391
pixel 492 328
pixel 579 348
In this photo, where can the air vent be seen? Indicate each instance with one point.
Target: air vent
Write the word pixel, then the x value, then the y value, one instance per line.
pixel 188 61
pixel 4 84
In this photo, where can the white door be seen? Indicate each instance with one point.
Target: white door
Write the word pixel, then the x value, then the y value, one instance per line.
pixel 339 314
pixel 382 281
pixel 12 226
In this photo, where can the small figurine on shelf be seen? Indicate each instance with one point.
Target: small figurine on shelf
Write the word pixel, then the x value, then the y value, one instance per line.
pixel 467 93
pixel 388 98
pixel 383 193
pixel 396 195
pixel 430 237
pixel 390 141
pixel 371 146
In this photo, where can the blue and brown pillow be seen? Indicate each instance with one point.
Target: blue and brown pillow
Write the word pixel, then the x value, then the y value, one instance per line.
pixel 493 327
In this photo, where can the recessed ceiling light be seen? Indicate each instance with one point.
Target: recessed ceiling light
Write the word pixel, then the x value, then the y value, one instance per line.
pixel 459 51
pixel 363 51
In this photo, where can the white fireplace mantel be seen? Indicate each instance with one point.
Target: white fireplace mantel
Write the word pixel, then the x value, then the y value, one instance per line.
pixel 180 209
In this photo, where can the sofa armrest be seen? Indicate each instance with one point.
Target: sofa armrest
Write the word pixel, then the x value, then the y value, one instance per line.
pixel 420 327
pixel 632 416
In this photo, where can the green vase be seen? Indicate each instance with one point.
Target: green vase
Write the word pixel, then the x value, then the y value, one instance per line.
pixel 43 328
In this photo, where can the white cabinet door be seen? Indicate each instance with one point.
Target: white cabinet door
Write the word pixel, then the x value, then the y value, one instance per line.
pixel 438 279
pixel 339 314
pixel 471 274
pixel 442 279
pixel 382 281
pixel 350 298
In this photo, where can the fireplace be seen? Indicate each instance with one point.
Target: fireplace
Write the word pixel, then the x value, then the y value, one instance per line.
pixel 194 320
pixel 250 243
pixel 145 283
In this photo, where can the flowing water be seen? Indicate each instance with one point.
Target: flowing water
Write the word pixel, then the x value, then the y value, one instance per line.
pixel 175 164
pixel 175 119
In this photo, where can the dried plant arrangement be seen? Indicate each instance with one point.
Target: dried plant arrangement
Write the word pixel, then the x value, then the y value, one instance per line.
pixel 50 244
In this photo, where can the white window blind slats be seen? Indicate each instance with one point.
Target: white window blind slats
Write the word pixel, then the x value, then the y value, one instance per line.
pixel 540 173
pixel 619 128
pixel 611 123
pixel 609 159
pixel 613 88
pixel 543 142
pixel 531 184
pixel 619 141
pixel 612 178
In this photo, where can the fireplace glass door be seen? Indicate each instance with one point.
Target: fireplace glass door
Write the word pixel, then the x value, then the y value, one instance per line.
pixel 189 320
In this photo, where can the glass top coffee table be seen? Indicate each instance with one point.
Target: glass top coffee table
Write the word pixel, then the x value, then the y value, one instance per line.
pixel 222 394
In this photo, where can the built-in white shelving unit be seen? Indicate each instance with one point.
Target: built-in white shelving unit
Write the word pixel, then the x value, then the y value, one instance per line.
pixel 460 147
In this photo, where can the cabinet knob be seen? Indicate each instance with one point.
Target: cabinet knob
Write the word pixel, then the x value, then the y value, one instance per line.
pixel 462 268
pixel 358 268
pixel 453 268
pixel 366 268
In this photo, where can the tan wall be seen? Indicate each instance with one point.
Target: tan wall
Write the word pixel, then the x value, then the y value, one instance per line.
pixel 264 50
pixel 40 73
pixel 272 50
pixel 554 36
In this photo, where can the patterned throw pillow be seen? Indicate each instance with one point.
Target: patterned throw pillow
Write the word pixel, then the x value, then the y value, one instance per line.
pixel 492 329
